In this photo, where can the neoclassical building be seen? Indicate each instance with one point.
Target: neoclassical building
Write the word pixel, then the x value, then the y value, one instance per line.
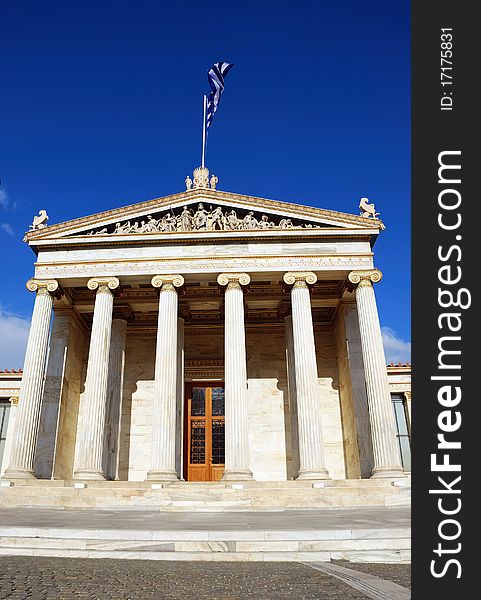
pixel 205 336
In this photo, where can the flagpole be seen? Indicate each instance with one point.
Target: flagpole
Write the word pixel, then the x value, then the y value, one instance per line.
pixel 203 132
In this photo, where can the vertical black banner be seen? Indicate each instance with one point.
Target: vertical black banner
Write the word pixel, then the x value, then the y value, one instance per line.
pixel 446 325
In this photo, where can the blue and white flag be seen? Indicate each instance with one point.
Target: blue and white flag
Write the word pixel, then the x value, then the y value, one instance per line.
pixel 216 76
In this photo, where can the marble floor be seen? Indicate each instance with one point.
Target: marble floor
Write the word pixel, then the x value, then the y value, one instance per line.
pixel 377 535
pixel 324 519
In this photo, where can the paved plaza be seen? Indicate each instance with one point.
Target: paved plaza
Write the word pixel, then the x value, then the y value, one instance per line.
pixel 40 578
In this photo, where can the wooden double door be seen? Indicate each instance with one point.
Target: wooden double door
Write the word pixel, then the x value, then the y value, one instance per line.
pixel 205 431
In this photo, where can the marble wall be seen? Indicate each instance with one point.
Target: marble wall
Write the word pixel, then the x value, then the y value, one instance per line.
pixel 332 432
pixel 351 448
pixel 136 419
pixel 267 405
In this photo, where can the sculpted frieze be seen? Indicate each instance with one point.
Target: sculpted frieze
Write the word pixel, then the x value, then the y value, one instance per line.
pixel 215 219
pixel 203 265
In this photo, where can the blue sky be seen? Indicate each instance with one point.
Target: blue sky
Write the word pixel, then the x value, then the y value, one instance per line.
pixel 101 106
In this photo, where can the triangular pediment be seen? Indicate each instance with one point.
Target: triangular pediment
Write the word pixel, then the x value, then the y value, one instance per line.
pixel 202 210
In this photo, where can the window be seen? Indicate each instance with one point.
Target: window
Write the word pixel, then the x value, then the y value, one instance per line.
pixel 399 406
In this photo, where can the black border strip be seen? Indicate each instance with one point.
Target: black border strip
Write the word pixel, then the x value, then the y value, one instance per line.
pixel 434 131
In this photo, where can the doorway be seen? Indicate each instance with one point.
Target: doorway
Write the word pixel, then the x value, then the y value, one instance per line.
pixel 204 431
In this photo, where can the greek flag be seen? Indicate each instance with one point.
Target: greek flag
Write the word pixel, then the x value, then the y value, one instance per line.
pixel 216 76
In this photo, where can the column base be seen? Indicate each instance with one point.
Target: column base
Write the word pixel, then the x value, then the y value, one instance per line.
pixel 18 474
pixel 237 476
pixel 91 474
pixel 161 476
pixel 387 473
pixel 316 474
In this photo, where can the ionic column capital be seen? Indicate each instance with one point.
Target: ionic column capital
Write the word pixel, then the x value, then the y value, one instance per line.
pixel 407 394
pixel 364 278
pixel 167 282
pixel 300 278
pixel 13 400
pixel 43 286
pixel 233 279
pixel 103 285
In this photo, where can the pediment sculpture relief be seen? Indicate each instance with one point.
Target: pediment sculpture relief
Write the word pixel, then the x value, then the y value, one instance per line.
pixel 214 219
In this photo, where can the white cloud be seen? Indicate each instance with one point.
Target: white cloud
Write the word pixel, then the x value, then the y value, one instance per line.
pixel 7 228
pixel 3 199
pixel 396 349
pixel 13 339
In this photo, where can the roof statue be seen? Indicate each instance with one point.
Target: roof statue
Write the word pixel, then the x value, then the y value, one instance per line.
pixel 201 180
pixel 40 221
pixel 368 210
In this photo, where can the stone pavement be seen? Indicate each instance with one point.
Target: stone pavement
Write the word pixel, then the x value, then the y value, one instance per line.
pixel 40 578
pixel 400 575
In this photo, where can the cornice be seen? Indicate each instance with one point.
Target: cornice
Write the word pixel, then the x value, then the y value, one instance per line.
pixel 153 259
pixel 195 238
pixel 187 197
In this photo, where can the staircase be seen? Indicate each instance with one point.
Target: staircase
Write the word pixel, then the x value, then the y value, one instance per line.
pixel 206 497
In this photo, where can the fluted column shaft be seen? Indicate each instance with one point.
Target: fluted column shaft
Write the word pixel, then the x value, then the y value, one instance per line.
pixel 162 466
pixel 284 312
pixel 236 435
pixel 311 452
pixel 387 461
pixel 179 429
pixel 90 438
pixel 30 402
pixel 292 392
pixel 122 315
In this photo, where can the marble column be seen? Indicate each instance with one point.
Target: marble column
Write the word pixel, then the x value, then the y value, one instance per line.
pixel 236 435
pixel 26 424
pixel 407 396
pixel 311 451
pixel 163 464
pixel 387 461
pixel 90 437
pixel 184 315
pixel 284 312
pixel 122 315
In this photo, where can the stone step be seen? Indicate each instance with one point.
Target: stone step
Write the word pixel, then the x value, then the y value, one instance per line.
pixel 361 545
pixel 211 485
pixel 210 497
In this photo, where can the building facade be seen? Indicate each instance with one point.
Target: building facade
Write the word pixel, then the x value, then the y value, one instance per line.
pixel 205 336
